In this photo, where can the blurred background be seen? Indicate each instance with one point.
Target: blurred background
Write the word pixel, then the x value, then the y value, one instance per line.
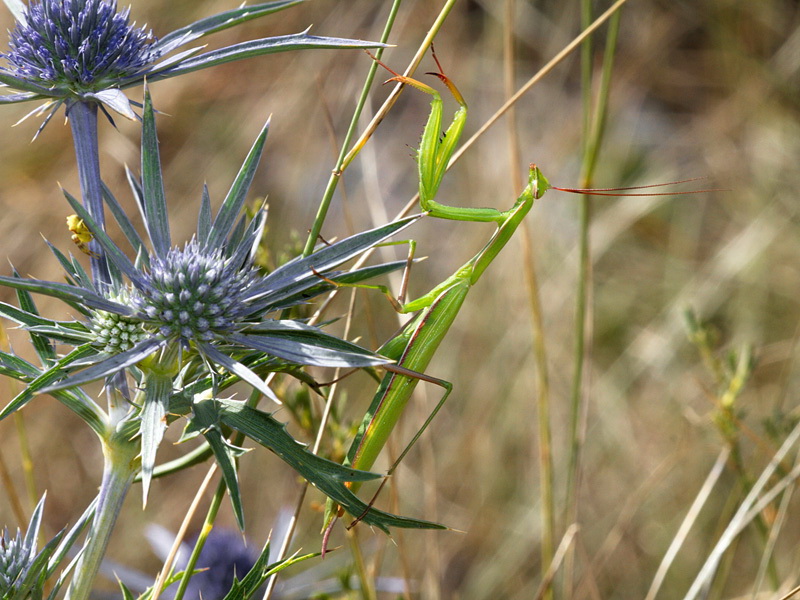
pixel 707 88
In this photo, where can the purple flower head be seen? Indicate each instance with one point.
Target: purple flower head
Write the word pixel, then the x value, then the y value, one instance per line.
pixel 86 45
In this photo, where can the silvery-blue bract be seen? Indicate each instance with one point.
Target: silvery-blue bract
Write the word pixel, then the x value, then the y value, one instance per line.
pixel 87 51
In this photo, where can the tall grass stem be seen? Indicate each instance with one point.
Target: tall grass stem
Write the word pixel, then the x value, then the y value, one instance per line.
pixel 594 126
pixel 542 400
pixel 208 525
pixel 179 536
pixel 336 174
pixel 688 521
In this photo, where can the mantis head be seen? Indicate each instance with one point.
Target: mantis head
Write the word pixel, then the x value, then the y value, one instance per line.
pixel 538 182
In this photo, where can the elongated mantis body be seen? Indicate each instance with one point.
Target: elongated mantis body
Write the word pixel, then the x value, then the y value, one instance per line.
pixel 419 340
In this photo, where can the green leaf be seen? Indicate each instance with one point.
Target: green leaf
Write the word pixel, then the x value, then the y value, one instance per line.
pixel 67 265
pixel 155 204
pixel 16 367
pixel 42 346
pixel 67 293
pixel 204 218
pixel 260 572
pixel 238 369
pixel 305 345
pixel 19 83
pixel 157 391
pixel 234 200
pixel 116 256
pixel 126 593
pixel 298 275
pixel 64 335
pixel 64 548
pixel 84 407
pixel 23 317
pixel 327 476
pixel 124 222
pixel 218 22
pixel 15 98
pixel 109 366
pixel 45 378
pixel 206 420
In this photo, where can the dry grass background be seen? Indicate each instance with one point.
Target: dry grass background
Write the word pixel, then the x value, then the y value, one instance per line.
pixel 700 88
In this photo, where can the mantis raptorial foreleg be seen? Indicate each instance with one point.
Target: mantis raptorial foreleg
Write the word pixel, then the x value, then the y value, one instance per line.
pixel 419 340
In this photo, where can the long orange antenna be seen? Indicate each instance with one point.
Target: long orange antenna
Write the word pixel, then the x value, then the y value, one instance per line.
pixel 608 191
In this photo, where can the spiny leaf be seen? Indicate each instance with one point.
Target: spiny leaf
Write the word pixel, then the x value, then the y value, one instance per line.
pixel 329 477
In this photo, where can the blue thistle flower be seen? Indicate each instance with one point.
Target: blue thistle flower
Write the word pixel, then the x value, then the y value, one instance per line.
pixel 83 44
pixel 206 298
pixel 88 51
pixel 195 294
pixel 193 318
pixel 114 333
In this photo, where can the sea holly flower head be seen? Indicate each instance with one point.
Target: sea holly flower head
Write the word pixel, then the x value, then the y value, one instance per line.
pixel 195 294
pixel 84 45
pixel 15 560
pixel 115 333
pixel 66 51
pixel 23 568
pixel 206 298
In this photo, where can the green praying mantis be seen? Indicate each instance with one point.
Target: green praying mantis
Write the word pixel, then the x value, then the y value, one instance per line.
pixel 414 347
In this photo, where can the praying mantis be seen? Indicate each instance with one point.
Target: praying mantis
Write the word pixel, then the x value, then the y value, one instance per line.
pixel 414 347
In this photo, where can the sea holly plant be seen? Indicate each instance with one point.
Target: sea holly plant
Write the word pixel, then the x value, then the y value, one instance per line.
pixel 24 570
pixel 83 53
pixel 182 323
pixel 68 51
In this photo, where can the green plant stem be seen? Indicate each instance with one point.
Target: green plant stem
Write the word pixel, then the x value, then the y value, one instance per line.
pixel 367 588
pixel 542 399
pixel 336 174
pixel 208 525
pixel 760 522
pixel 594 126
pixel 11 492
pixel 346 158
pixel 120 466
pixel 27 459
pixel 83 122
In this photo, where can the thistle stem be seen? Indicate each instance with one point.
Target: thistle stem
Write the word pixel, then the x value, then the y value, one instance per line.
pixel 120 466
pixel 83 121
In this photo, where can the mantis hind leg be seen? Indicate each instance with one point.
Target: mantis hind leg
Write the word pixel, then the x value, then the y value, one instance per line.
pixel 448 388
